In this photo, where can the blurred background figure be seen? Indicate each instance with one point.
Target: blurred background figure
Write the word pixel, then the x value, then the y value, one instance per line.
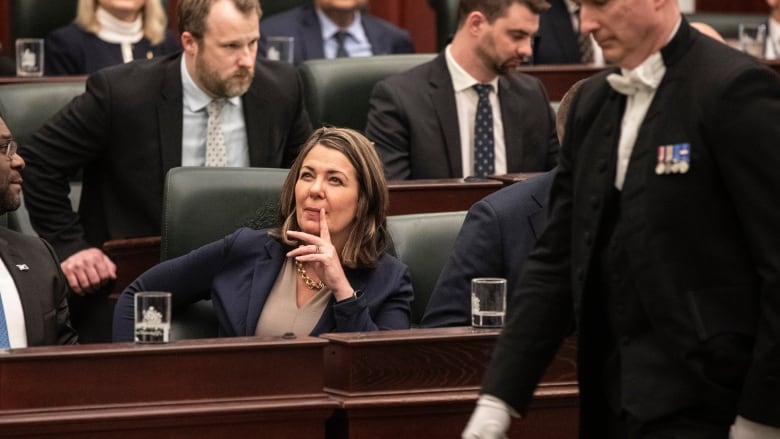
pixel 336 29
pixel 109 32
pixel 772 50
pixel 559 40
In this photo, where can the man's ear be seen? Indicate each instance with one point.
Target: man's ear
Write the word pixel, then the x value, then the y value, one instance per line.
pixel 189 43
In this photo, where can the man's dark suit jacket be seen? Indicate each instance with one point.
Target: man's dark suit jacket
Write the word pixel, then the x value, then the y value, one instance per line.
pixel 556 42
pixel 238 272
pixel 42 288
pixel 303 24
pixel 702 247
pixel 125 131
pixel 413 120
pixel 496 237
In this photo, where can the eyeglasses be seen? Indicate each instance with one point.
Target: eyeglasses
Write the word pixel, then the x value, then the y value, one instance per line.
pixel 8 148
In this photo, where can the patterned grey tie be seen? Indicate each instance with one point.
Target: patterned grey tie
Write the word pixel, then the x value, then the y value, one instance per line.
pixel 484 151
pixel 216 152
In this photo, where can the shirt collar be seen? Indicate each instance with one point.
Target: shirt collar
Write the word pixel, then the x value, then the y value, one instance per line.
pixel 194 98
pixel 329 28
pixel 461 80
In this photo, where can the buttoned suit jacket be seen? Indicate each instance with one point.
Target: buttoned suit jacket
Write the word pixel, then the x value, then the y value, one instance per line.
pixel 413 121
pixel 125 132
pixel 303 24
pixel 42 288
pixel 496 237
pixel 556 42
pixel 238 272
pixel 702 248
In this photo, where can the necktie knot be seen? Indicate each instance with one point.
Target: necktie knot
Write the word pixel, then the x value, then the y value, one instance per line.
pixel 483 90
pixel 214 108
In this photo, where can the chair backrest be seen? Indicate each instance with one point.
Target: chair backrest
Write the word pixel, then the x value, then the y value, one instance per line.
pixel 337 90
pixel 271 7
pixel 201 205
pixel 423 241
pixel 36 18
pixel 446 20
pixel 726 24
pixel 26 107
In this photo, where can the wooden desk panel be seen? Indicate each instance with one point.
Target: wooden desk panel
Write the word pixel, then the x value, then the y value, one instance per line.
pixel 424 383
pixel 448 195
pixel 246 387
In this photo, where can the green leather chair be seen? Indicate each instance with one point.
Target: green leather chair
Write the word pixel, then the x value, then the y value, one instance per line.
pixel 26 107
pixel 727 25
pixel 423 241
pixel 201 205
pixel 337 91
pixel 271 7
pixel 446 20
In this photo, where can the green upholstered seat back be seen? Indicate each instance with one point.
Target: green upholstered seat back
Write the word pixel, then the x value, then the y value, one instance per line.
pixel 201 205
pixel 337 90
pixel 423 241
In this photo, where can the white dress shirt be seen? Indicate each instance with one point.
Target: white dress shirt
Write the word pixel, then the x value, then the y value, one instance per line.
pixel 194 122
pixel 773 40
pixel 466 100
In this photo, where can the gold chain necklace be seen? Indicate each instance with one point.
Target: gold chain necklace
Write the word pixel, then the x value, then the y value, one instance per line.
pixel 310 283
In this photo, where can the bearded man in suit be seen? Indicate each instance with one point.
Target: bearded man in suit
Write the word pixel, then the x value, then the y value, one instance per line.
pixel 138 120
pixel 661 244
pixel 468 113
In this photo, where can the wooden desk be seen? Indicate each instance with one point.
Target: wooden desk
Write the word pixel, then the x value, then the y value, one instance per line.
pixel 241 387
pixel 424 383
pixel 448 195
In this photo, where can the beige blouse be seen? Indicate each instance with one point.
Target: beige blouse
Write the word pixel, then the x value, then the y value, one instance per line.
pixel 281 313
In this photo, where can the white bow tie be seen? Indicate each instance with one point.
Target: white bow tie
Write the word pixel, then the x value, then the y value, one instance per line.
pixel 630 84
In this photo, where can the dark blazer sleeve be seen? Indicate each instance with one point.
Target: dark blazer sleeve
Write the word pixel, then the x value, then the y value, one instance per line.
pixel 60 55
pixel 388 127
pixel 77 135
pixel 383 302
pixel 496 237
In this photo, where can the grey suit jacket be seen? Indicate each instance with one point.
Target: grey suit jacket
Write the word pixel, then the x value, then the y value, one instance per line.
pixel 42 288
pixel 125 132
pixel 702 247
pixel 413 121
pixel 303 24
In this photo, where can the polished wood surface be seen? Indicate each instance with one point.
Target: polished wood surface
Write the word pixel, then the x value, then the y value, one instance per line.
pixel 386 384
pixel 424 383
pixel 448 195
pixel 242 387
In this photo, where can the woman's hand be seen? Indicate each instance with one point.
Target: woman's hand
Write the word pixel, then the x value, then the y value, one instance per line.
pixel 322 258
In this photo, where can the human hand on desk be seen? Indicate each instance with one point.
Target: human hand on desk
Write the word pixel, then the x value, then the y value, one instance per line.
pixel 490 419
pixel 87 271
pixel 322 258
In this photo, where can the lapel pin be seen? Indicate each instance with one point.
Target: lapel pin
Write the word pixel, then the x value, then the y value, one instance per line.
pixel 22 267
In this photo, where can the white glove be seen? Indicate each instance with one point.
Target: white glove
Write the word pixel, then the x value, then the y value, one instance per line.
pixel 490 419
pixel 746 429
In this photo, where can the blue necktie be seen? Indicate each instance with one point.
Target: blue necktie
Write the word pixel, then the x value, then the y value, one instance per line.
pixel 4 342
pixel 484 154
pixel 341 51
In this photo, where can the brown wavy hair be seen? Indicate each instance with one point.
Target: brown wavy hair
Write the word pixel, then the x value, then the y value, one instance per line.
pixel 367 238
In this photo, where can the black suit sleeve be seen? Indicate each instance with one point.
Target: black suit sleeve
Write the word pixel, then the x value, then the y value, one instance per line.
pixel 74 137
pixel 387 126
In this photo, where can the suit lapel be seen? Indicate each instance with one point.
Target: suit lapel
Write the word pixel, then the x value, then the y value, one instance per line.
pixel 266 270
pixel 33 314
pixel 311 35
pixel 375 36
pixel 511 104
pixel 169 117
pixel 443 100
